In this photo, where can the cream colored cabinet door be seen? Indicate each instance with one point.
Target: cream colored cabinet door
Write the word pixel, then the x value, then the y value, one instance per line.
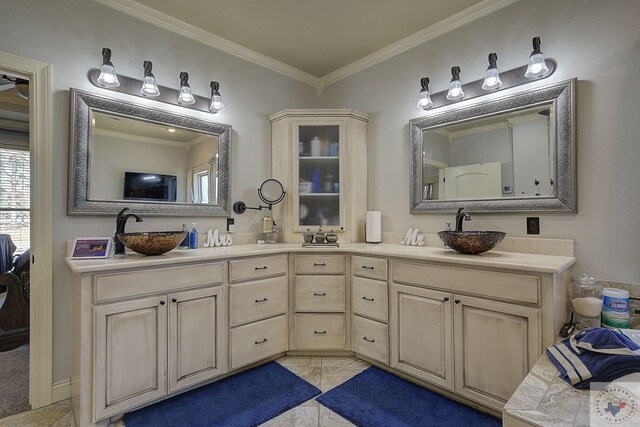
pixel 496 346
pixel 130 356
pixel 421 333
pixel 196 337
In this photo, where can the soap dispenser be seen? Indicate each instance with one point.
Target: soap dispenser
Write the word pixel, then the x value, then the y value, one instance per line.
pixel 185 242
pixel 193 238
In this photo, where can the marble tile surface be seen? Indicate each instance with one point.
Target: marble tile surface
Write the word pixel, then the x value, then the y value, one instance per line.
pixel 323 372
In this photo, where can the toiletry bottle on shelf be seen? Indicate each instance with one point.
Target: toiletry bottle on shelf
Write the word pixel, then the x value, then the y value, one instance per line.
pixel 315 147
pixel 448 228
pixel 275 233
pixel 315 180
pixel 185 242
pixel 193 238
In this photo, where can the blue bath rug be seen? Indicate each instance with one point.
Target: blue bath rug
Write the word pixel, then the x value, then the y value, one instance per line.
pixel 247 399
pixel 375 398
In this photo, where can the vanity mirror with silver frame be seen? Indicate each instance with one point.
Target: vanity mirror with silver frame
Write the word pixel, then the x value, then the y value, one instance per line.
pixel 510 154
pixel 153 161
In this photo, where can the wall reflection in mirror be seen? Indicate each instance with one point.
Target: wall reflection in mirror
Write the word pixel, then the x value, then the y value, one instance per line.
pixel 140 161
pixel 508 155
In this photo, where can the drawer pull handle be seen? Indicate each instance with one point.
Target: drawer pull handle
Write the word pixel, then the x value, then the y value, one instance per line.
pixel 319 294
pixel 368 268
pixel 262 300
pixel 368 340
pixel 457 301
pixel 261 268
pixel 319 264
pixel 446 299
pixel 262 341
pixel 320 332
pixel 368 299
pixel 162 302
pixel 174 299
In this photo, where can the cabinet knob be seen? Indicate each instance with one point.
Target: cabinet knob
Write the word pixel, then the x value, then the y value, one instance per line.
pixel 320 332
pixel 457 301
pixel 446 299
pixel 319 294
pixel 368 299
pixel 262 341
pixel 261 268
pixel 262 300
pixel 162 302
pixel 368 339
pixel 368 268
pixel 174 299
pixel 319 264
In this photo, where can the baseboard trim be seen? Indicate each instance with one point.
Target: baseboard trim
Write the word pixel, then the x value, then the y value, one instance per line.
pixel 61 391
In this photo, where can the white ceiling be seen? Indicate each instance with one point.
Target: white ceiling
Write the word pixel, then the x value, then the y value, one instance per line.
pixel 314 41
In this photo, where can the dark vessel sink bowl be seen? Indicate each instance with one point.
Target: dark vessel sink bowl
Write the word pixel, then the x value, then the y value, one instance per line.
pixel 152 242
pixel 471 242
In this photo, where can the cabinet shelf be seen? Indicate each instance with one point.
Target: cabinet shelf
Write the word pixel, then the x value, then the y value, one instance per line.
pixel 319 194
pixel 319 157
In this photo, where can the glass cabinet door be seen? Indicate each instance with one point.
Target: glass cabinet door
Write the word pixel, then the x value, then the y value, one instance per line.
pixel 319 175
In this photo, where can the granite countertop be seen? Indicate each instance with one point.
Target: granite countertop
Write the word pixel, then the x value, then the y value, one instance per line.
pixel 493 259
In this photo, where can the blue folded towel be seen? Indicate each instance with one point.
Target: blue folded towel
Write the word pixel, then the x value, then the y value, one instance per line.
pixel 595 355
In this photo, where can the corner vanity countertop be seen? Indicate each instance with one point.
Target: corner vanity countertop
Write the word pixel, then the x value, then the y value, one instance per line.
pixel 492 259
pixel 543 399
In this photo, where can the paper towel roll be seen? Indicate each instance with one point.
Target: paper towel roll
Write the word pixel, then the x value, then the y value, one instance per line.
pixel 374 227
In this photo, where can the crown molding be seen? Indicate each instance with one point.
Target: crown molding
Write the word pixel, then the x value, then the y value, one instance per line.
pixel 147 14
pixel 449 24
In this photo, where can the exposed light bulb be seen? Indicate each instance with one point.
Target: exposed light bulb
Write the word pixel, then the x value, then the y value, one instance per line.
pixel 171 130
pixel 537 66
pixel 216 99
pixel 492 76
pixel 186 96
pixel 149 86
pixel 455 88
pixel 424 99
pixel 108 76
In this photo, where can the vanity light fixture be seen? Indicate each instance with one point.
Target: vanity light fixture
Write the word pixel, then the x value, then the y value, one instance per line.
pixel 108 76
pixel 216 98
pixel 186 96
pixel 424 99
pixel 171 130
pixel 149 86
pixel 492 76
pixel 537 66
pixel 455 88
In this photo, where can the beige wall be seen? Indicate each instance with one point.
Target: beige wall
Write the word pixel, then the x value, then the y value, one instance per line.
pixel 69 34
pixel 596 41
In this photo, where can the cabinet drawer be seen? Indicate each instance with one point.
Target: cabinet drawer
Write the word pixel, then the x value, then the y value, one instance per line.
pixel 370 338
pixel 319 264
pixel 370 298
pixel 259 340
pixel 142 282
pixel 506 286
pixel 319 331
pixel 320 293
pixel 257 268
pixel 257 300
pixel 375 268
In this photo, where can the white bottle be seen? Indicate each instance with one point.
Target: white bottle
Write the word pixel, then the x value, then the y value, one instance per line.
pixel 315 147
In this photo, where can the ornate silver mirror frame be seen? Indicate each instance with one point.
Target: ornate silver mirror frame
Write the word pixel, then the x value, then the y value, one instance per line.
pixel 83 104
pixel 561 96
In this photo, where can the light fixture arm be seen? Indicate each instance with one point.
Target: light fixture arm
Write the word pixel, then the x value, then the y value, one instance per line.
pixel 493 61
pixel 215 88
pixel 184 79
pixel 424 82
pixel 106 56
pixel 147 68
pixel 536 45
pixel 455 73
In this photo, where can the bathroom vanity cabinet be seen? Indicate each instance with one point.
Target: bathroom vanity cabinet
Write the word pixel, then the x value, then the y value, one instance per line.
pixel 470 327
pixel 320 157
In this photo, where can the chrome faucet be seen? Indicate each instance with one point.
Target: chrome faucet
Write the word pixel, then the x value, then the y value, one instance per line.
pixel 460 217
pixel 121 221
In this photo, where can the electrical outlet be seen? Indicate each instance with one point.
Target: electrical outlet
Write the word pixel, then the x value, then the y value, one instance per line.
pixel 533 225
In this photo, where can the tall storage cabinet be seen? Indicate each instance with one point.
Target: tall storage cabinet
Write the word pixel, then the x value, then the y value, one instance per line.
pixel 320 157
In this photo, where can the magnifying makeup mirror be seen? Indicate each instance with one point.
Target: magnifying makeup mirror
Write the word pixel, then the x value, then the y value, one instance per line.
pixel 270 192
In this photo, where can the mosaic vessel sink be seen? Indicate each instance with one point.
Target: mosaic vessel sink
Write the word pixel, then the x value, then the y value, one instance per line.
pixel 471 242
pixel 152 242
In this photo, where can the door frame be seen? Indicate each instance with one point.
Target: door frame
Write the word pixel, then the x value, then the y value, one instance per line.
pixel 41 301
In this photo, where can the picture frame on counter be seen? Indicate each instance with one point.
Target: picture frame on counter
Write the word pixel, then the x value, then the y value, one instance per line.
pixel 91 247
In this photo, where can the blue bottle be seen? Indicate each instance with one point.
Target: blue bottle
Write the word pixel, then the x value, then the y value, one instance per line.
pixel 315 180
pixel 193 238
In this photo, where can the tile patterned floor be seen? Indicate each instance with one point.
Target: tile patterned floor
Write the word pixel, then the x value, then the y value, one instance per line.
pixel 323 372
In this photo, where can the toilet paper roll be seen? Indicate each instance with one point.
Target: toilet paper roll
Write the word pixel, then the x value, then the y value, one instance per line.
pixel 374 227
